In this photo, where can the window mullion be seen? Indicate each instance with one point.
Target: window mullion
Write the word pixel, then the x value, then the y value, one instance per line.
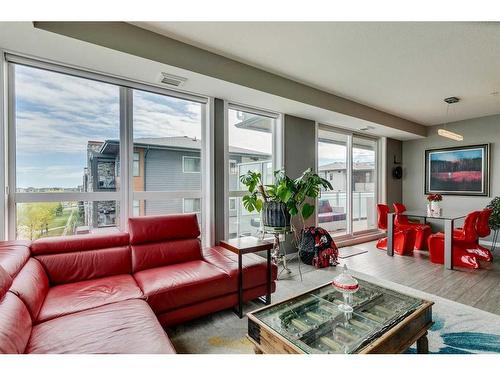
pixel 126 152
pixel 11 169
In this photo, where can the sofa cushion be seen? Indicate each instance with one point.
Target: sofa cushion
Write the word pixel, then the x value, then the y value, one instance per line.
pixel 254 266
pixel 71 244
pixel 5 282
pixel 70 298
pixel 15 325
pixel 186 313
pixel 13 256
pixel 85 265
pixel 177 285
pixel 31 286
pixel 162 228
pixel 127 327
pixel 159 254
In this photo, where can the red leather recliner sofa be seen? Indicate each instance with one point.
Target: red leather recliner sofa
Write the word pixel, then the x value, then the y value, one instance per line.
pixel 113 293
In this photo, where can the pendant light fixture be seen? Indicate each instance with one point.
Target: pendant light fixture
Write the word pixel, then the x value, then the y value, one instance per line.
pixel 446 133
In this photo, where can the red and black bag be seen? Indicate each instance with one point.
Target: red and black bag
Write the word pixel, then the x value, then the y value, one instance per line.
pixel 318 248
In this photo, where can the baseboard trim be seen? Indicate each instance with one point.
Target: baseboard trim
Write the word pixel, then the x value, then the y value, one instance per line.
pixel 359 239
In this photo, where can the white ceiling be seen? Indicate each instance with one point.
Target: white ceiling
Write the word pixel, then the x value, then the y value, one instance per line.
pixel 403 68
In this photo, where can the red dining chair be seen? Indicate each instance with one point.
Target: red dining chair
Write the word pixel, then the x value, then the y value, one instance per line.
pixel 404 239
pixel 461 237
pixel 423 231
pixel 482 230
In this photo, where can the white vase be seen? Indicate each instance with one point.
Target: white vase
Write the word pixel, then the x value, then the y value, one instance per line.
pixel 435 210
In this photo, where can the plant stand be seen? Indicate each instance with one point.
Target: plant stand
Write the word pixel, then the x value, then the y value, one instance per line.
pixel 279 256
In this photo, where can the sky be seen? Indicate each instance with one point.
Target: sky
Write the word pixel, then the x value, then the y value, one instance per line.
pixel 57 114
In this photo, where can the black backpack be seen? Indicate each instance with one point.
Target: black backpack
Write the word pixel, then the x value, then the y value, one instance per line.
pixel 318 248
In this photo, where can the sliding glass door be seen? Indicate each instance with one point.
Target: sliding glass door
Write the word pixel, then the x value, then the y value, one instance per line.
pixel 364 187
pixel 332 166
pixel 348 162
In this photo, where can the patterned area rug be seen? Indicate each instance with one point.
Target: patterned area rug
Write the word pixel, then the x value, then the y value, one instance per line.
pixel 458 329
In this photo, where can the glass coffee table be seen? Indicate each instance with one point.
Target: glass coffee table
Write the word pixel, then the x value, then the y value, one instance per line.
pixel 382 321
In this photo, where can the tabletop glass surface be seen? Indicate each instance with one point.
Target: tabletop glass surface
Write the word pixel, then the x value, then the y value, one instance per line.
pixel 445 215
pixel 314 323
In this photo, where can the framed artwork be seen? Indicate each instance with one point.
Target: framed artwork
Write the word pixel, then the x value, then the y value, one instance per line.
pixel 458 170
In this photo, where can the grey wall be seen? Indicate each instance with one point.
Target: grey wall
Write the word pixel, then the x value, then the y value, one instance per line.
pixel 219 188
pixel 299 145
pixel 475 131
pixel 299 153
pixel 394 187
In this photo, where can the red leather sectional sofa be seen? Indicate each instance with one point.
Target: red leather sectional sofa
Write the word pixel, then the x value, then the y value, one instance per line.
pixel 113 293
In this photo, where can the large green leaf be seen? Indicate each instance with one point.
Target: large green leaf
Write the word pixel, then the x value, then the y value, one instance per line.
pixel 258 205
pixel 307 210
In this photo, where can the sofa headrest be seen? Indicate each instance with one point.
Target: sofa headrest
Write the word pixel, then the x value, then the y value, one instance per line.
pixel 13 256
pixel 163 228
pixel 84 242
pixel 5 282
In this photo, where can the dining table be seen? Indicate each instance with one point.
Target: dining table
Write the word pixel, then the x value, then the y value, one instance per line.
pixel 447 217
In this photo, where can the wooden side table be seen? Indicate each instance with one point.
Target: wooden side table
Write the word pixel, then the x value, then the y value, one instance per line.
pixel 247 245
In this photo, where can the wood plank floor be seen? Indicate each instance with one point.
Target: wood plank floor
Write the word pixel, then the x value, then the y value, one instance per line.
pixel 479 288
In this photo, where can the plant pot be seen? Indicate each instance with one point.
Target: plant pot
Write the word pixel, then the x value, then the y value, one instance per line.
pixel 275 215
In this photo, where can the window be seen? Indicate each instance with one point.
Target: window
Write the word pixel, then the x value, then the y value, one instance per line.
pixel 74 175
pixel 191 164
pixel 192 205
pixel 251 147
pixel 136 208
pixel 67 132
pixel 232 204
pixel 233 167
pixel 136 166
pixel 350 162
pixel 167 132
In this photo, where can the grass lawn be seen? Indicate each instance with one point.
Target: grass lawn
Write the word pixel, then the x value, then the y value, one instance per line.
pixel 60 221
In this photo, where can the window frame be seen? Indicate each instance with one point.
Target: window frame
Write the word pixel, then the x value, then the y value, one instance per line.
pixel 233 167
pixel 184 157
pixel 232 200
pixel 125 196
pixel 138 161
pixel 191 212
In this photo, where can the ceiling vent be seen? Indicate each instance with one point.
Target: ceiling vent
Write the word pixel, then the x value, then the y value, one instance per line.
pixel 172 80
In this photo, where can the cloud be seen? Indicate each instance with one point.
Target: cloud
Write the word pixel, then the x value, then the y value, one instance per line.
pixel 57 114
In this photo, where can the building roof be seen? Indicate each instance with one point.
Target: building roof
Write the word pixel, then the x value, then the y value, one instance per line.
pixel 339 165
pixel 182 142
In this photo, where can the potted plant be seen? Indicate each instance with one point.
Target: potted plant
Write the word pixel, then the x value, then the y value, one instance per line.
pixel 494 219
pixel 285 198
pixel 433 207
